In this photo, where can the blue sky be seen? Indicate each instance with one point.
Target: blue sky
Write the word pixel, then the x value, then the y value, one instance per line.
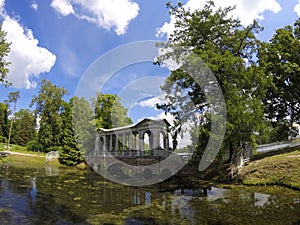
pixel 59 39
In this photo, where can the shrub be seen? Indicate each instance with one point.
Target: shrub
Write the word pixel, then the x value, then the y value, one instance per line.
pixel 34 146
pixel 3 139
pixel 53 148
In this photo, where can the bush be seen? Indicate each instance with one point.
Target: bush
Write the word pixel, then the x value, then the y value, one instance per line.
pixel 53 148
pixel 3 139
pixel 33 146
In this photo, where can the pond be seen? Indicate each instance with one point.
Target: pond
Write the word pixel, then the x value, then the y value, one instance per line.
pixel 71 196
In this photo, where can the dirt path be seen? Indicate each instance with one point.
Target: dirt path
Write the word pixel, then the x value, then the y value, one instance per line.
pixel 25 154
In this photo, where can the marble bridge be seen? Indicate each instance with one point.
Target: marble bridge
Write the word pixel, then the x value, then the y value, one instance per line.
pixel 146 139
pixel 143 145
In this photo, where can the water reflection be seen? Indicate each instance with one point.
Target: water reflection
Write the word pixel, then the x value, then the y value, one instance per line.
pixel 33 196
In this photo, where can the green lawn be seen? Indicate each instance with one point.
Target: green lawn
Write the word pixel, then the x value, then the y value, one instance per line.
pixel 282 169
pixel 17 148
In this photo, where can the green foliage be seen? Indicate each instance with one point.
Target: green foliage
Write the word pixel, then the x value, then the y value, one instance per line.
pixel 70 155
pixel 4 50
pixel 83 126
pixel 53 149
pixel 280 60
pixel 12 98
pixel 24 127
pixel 3 120
pixel 109 112
pixel 49 105
pixel 3 139
pixel 229 50
pixel 34 146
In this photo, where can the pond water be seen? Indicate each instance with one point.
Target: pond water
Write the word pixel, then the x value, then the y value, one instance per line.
pixel 71 196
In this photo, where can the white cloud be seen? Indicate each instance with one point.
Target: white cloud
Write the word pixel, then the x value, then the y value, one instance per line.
pixel 27 58
pixel 297 9
pixel 151 102
pixel 246 11
pixel 34 6
pixel 2 6
pixel 161 116
pixel 63 7
pixel 103 13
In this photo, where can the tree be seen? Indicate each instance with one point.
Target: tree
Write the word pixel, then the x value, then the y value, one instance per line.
pixel 4 50
pixel 280 60
pixel 49 106
pixel 4 120
pixel 12 98
pixel 83 120
pixel 229 50
pixel 70 154
pixel 24 127
pixel 109 112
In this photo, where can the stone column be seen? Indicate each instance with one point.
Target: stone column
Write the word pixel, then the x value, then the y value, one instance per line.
pixel 134 142
pixel 130 144
pixel 97 145
pixel 141 144
pixel 123 143
pixel 117 145
pixel 104 145
pixel 130 141
pixel 110 143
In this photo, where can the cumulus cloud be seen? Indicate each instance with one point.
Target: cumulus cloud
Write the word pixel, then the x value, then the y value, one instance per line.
pixel 297 9
pixel 63 7
pixel 106 14
pixel 153 101
pixel 34 6
pixel 246 11
pixel 27 58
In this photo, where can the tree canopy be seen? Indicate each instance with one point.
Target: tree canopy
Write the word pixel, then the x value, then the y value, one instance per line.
pixel 280 60
pixel 230 51
pixel 4 50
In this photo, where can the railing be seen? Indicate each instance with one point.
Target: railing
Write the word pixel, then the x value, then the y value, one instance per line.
pixel 131 154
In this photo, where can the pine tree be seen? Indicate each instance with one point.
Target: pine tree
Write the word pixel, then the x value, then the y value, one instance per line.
pixel 69 154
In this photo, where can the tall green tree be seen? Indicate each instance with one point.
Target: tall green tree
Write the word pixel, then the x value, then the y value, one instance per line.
pixel 4 50
pixel 3 120
pixel 12 98
pixel 109 112
pixel 229 50
pixel 280 59
pixel 70 154
pixel 83 120
pixel 24 127
pixel 48 107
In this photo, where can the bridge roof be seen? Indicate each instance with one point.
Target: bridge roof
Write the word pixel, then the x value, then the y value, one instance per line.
pixel 141 123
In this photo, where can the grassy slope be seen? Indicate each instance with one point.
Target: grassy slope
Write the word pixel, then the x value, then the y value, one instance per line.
pixel 22 160
pixel 282 169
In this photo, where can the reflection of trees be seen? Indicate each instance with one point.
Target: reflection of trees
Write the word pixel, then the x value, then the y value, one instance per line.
pixel 24 202
pixel 77 197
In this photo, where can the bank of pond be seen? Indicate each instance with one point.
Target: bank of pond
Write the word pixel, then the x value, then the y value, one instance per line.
pixel 50 194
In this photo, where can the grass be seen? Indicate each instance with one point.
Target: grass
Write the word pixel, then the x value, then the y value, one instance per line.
pixel 37 160
pixel 17 148
pixel 282 169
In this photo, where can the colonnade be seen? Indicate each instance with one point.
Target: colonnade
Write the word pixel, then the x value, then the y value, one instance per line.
pixel 130 141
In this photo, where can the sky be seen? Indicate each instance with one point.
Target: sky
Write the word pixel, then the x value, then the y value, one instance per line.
pixel 60 40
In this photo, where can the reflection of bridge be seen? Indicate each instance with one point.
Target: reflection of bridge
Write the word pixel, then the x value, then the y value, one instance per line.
pixel 146 139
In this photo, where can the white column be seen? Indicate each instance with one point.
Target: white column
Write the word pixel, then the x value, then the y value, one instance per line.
pixel 104 144
pixel 110 143
pixel 117 145
pixel 141 144
pixel 123 143
pixel 130 141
